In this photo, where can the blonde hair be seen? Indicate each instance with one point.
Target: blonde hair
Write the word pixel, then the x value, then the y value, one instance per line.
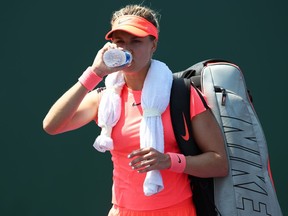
pixel 138 10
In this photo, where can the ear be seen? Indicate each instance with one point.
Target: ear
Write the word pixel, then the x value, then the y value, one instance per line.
pixel 154 47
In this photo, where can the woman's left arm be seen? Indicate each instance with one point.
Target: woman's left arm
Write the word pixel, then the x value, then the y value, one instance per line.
pixel 213 161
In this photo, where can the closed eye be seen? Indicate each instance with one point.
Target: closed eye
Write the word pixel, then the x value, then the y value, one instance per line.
pixel 136 41
pixel 118 41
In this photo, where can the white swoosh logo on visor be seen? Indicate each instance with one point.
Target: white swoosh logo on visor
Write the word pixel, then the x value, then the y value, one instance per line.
pixel 123 21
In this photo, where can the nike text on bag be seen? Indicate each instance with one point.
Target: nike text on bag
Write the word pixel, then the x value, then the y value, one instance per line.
pixel 248 189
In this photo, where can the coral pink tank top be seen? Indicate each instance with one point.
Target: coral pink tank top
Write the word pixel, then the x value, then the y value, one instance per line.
pixel 127 191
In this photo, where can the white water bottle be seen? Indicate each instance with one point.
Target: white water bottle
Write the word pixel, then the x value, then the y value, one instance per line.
pixel 117 58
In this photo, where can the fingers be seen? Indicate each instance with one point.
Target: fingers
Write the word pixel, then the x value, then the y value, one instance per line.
pixel 108 46
pixel 147 159
pixel 141 162
pixel 143 166
pixel 98 64
pixel 139 152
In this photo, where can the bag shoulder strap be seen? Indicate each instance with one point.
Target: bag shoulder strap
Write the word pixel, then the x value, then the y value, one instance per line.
pixel 180 116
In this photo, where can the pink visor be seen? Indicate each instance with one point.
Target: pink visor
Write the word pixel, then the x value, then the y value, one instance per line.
pixel 135 25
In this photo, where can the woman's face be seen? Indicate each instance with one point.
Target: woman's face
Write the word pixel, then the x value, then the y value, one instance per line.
pixel 142 49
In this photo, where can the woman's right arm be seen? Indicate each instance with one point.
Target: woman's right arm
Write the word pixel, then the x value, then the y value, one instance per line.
pixel 75 108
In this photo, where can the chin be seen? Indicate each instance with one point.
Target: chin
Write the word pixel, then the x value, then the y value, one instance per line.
pixel 129 70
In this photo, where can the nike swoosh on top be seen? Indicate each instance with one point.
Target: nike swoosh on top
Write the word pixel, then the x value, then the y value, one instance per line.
pixel 136 104
pixel 186 135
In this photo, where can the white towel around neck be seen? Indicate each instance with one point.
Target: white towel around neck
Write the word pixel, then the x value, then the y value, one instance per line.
pixel 154 101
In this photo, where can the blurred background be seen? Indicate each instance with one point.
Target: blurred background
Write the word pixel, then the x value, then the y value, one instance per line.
pixel 46 45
